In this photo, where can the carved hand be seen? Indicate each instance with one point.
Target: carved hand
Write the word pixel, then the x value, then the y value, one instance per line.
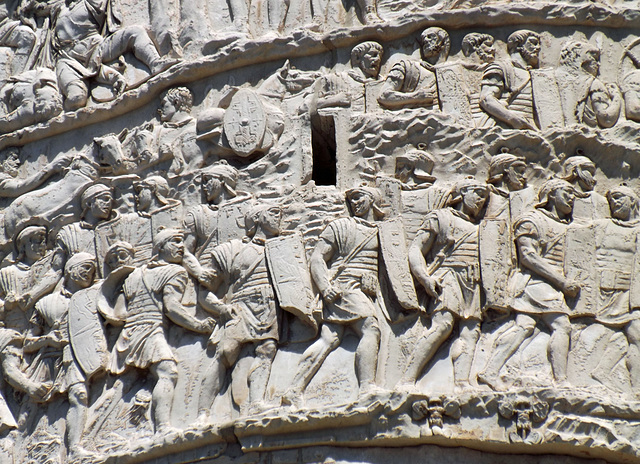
pixel 331 294
pixel 60 163
pixel 207 325
pixel 571 289
pixel 518 122
pixel 432 287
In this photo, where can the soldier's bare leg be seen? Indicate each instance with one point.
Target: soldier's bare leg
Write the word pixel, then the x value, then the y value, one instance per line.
pixel 463 351
pixel 213 379
pixel 633 355
pixel 617 348
pixel 313 357
pixel 76 417
pixel 369 9
pixel 260 372
pixel 74 88
pixel 367 352
pixel 427 346
pixel 504 347
pixel 278 10
pixel 162 396
pixel 134 39
pixel 558 348
pixel 239 14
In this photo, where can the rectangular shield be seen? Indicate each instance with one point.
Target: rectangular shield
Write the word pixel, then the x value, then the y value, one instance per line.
pixel 580 266
pixel 167 216
pixel 416 204
pixel 496 261
pixel 453 93
pixel 546 98
pixel 634 290
pixel 391 190
pixel 289 272
pixel 231 221
pixel 131 228
pixel 393 247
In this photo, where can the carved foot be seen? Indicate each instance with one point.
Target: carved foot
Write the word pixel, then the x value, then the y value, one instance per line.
pixel 492 381
pixel 292 398
pixel 406 386
pixel 162 64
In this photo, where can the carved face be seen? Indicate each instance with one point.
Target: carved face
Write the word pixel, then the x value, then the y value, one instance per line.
pixel 83 273
pixel 36 245
pixel 370 63
pixel 270 220
pixel 144 197
pixel 167 110
pixel 11 164
pixel 212 188
pixel 564 198
pixel 621 205
pixel 101 205
pixel 486 52
pixel 432 45
pixel 173 250
pixel 530 51
pixel 118 257
pixel 360 204
pixel 586 176
pixel 514 176
pixel 591 61
pixel 474 198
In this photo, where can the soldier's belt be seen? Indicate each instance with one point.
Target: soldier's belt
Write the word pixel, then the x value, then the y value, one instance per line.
pixel 615 280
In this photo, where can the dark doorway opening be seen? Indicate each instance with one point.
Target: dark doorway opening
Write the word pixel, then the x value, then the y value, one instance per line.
pixel 323 145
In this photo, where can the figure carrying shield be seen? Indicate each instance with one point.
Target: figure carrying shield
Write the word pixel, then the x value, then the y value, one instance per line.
pixel 248 314
pixel 49 336
pixel 444 258
pixel 154 295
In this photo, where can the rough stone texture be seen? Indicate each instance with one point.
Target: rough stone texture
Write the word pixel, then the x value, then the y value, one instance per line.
pixel 319 231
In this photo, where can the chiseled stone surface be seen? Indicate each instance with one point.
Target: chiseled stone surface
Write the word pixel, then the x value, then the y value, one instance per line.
pixel 319 231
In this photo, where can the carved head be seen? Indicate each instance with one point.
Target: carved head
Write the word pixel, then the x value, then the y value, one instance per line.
pixel 97 200
pixel 179 99
pixel 10 161
pixel 527 44
pixel 434 43
pixel 218 178
pixel 508 169
pixel 168 245
pixel 580 170
pixel 80 269
pixel 631 82
pixel 415 166
pixel 31 243
pixel 623 202
pixel 368 57
pixel 119 254
pixel 471 194
pixel 580 55
pixel 479 44
pixel 363 199
pixel 557 193
pixel 265 217
pixel 149 191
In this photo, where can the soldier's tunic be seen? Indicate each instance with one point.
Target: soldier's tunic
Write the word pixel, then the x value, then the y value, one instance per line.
pixel 213 224
pixel 76 237
pixel 455 257
pixel 17 280
pixel 514 83
pixel 251 297
pixel 142 341
pixel 55 364
pixel 350 83
pixel 415 75
pixel 347 234
pixel 533 294
pixel 615 256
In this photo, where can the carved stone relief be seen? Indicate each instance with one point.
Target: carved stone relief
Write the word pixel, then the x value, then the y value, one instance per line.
pixel 265 231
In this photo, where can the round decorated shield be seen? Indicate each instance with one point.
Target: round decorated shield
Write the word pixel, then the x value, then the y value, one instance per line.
pixel 245 123
pixel 86 333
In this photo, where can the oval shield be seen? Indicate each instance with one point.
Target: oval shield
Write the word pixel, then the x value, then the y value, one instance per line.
pixel 86 333
pixel 245 123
